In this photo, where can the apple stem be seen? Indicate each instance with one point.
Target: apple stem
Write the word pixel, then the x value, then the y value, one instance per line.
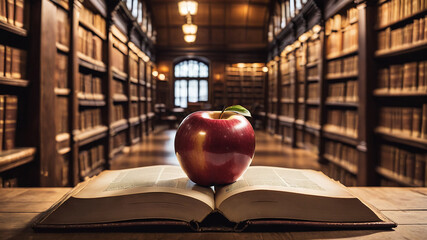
pixel 220 115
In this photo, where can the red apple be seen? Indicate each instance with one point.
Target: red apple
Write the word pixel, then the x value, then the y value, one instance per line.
pixel 214 151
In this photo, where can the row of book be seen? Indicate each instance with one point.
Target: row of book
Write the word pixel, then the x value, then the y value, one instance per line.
pixel 92 19
pixel 119 87
pixel 8 121
pixel 343 92
pixel 134 90
pixel 91 159
pixel 90 86
pixel 410 121
pixel 313 93
pixel 61 71
pixel 301 112
pixel 133 65
pixel 134 110
pixel 301 92
pixel 287 65
pixel 118 112
pixel 12 12
pixel 13 62
pixel 311 142
pixel 90 44
pixel 314 50
pixel 395 10
pixel 119 140
pixel 406 77
pixel 313 116
pixel 406 165
pixel 287 92
pixel 90 118
pixel 341 21
pixel 343 122
pixel 62 116
pixel 342 41
pixel 344 155
pixel 62 27
pixel 135 131
pixel 287 110
pixel 339 174
pixel 411 33
pixel 119 54
pixel 343 67
pixel 313 72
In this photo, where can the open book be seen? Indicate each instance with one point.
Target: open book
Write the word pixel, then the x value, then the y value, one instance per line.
pixel 164 195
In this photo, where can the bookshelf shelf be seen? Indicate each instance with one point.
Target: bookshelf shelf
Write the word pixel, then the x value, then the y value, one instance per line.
pixel 134 121
pixel 340 137
pixel 312 64
pixel 94 170
pixel 89 63
pixel 133 80
pixel 342 104
pixel 342 54
pixel 286 100
pixel 117 74
pixel 91 103
pixel 312 102
pixel 116 151
pixel 61 4
pixel 299 123
pixel 119 125
pixel 120 98
pixel 402 139
pixel 313 79
pixel 92 29
pixel 286 119
pixel 333 77
pixel 91 135
pixel 134 98
pixel 403 180
pixel 402 20
pixel 386 93
pixel 402 50
pixel 62 48
pixel 14 82
pixel 343 164
pixel 13 29
pixel 62 91
pixel 16 157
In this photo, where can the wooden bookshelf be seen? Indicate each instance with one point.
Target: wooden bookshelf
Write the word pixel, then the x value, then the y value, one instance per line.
pixel 399 92
pixel 70 84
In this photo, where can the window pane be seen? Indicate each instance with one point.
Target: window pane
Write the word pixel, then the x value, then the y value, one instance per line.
pixel 203 90
pixel 177 86
pixel 192 91
pixel 193 68
pixel 183 102
pixel 204 70
pixel 178 70
pixel 183 88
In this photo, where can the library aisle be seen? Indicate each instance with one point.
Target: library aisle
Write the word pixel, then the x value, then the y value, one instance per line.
pixel 158 148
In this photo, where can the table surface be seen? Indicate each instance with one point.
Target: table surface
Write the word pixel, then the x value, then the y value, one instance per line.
pixel 406 206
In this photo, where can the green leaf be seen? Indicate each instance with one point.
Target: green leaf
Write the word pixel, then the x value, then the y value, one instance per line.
pixel 239 109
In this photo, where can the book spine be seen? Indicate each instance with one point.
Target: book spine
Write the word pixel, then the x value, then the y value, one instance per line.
pixel 2 59
pixel 424 122
pixel 11 105
pixel 19 13
pixel 8 62
pixel 3 11
pixel 16 56
pixel 10 11
pixel 2 109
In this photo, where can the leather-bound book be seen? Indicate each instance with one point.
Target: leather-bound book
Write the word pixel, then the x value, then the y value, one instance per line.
pixel 11 107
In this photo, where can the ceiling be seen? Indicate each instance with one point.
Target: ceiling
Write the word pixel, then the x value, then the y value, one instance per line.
pixel 223 25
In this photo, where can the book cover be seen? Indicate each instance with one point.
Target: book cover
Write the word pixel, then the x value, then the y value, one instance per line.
pixel 10 11
pixel 163 197
pixel 3 14
pixel 10 112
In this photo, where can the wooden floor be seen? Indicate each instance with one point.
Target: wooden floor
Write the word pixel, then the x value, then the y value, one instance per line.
pixel 158 148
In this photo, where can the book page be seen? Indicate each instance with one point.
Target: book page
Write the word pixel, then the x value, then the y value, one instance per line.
pixel 307 182
pixel 168 179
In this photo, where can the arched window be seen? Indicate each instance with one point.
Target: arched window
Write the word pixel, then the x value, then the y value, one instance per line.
pixel 191 82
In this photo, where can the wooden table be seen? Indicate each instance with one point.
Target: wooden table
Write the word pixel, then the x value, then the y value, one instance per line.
pixel 406 206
